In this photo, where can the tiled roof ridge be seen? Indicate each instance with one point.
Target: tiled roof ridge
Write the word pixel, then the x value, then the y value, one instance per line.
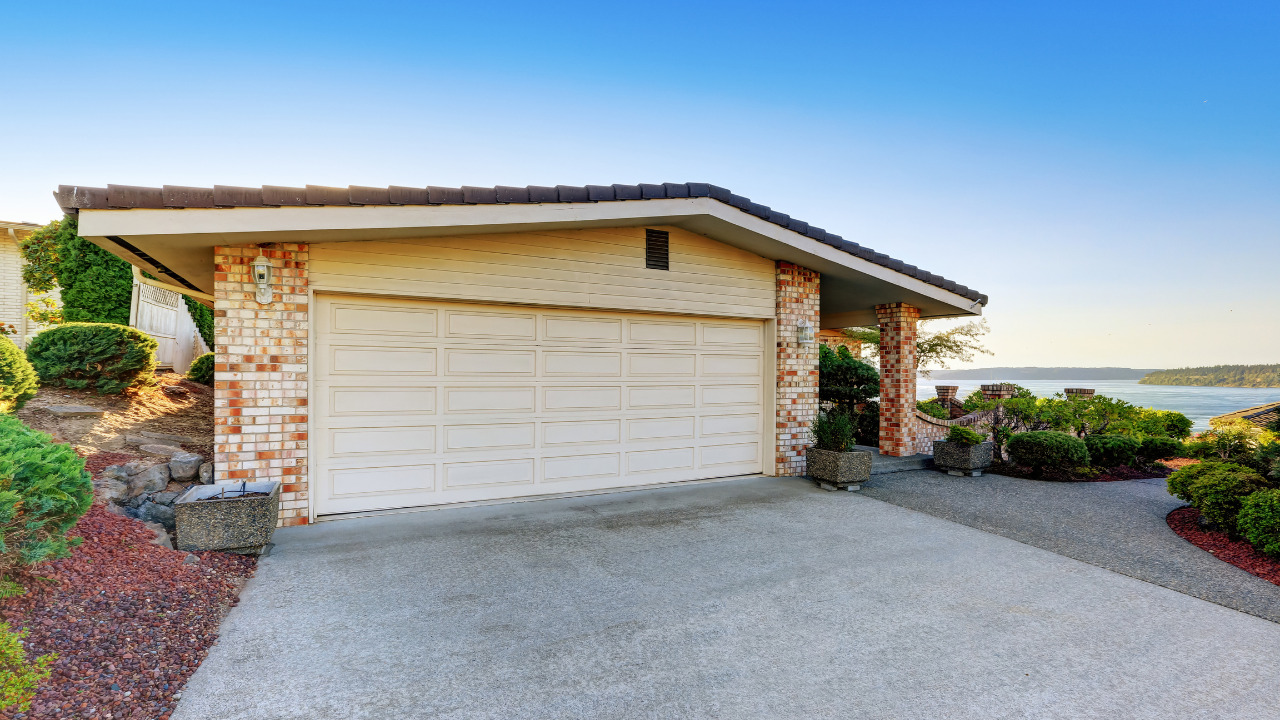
pixel 73 197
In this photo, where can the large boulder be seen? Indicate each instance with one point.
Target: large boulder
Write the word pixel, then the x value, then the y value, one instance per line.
pixel 115 490
pixel 165 498
pixel 157 513
pixel 153 479
pixel 184 466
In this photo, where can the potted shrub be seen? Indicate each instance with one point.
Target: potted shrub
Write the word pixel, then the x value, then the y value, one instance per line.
pixel 231 517
pixel 964 452
pixel 831 460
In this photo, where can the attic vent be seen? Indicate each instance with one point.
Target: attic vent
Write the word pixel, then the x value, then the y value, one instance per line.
pixel 656 249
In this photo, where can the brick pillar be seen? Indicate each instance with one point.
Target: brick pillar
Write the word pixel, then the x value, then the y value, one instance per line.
pixel 897 378
pixel 797 400
pixel 260 385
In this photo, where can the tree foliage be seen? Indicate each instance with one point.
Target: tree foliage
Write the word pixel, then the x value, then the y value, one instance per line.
pixel 848 386
pixel 96 285
pixel 1217 376
pixel 934 350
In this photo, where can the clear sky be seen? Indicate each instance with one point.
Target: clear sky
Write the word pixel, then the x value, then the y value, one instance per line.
pixel 1108 172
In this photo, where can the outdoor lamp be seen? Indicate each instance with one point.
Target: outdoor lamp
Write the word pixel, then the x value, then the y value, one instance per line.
pixel 804 332
pixel 262 279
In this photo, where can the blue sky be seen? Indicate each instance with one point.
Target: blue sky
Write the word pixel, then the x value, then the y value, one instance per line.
pixel 1109 173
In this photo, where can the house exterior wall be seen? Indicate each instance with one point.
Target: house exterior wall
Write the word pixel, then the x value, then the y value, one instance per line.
pixel 596 268
pixel 797 365
pixel 261 362
pixel 13 294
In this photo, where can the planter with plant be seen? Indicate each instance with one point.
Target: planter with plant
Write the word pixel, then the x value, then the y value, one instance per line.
pixel 832 460
pixel 231 517
pixel 964 452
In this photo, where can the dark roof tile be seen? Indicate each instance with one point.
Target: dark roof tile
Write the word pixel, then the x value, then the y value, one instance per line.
pixel 72 198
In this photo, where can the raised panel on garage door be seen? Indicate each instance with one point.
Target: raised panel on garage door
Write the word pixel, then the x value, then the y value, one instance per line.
pixel 425 403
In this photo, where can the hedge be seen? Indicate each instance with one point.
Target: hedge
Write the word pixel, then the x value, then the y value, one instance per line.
pixel 44 489
pixel 1159 448
pixel 1110 451
pixel 106 357
pixel 1040 449
pixel 18 380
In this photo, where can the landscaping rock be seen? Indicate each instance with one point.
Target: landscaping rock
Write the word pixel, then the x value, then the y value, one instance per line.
pixel 156 513
pixel 162 535
pixel 175 391
pixel 165 450
pixel 115 490
pixel 114 472
pixel 153 479
pixel 133 467
pixel 184 465
pixel 166 498
pixel 206 474
pixel 171 439
pixel 75 411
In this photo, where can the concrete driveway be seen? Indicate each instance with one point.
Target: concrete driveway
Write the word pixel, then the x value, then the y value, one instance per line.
pixel 756 598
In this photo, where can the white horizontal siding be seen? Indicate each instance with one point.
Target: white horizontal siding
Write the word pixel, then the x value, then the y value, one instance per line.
pixel 599 268
pixel 13 294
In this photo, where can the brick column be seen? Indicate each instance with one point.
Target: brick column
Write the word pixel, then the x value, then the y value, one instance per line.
pixel 260 385
pixel 797 399
pixel 897 378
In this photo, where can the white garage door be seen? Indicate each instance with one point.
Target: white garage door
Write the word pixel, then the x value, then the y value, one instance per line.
pixel 422 403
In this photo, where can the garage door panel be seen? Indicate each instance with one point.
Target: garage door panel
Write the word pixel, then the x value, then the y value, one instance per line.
pixel 422 402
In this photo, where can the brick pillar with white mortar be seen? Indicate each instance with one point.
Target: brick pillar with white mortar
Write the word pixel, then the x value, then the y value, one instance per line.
pixel 797 392
pixel 898 327
pixel 260 381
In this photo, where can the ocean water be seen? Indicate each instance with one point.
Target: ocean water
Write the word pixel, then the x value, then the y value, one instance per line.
pixel 1197 403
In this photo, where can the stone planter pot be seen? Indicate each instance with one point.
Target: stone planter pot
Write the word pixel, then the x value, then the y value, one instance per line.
pixel 839 469
pixel 217 517
pixel 961 459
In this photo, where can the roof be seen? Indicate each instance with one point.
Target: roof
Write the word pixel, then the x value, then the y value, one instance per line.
pixel 73 198
pixel 1260 415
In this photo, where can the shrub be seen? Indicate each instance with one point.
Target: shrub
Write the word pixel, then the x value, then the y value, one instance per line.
pixel 202 316
pixel 833 430
pixel 1159 448
pixel 201 369
pixel 867 424
pixel 1217 490
pixel 1112 450
pixel 1171 423
pixel 844 380
pixel 44 489
pixel 1044 448
pixel 933 409
pixel 1259 521
pixel 18 380
pixel 1199 449
pixel 109 358
pixel 19 676
pixel 963 435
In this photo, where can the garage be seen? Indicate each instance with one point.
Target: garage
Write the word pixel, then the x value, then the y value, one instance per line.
pixel 421 403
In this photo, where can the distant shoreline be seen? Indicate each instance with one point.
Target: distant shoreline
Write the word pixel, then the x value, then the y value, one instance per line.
pixel 1013 374
pixel 1238 376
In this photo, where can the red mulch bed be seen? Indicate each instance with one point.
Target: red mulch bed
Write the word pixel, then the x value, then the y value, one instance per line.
pixel 1185 522
pixel 1115 474
pixel 130 622
pixel 98 462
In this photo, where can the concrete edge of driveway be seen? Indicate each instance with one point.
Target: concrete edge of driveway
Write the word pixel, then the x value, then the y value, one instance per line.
pixel 1117 526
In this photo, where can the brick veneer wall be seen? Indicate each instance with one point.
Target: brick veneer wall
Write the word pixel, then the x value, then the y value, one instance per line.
pixel 260 386
pixel 929 428
pixel 797 399
pixel 898 422
pixel 836 339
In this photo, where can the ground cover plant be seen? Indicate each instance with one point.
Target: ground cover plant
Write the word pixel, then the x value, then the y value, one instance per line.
pixel 20 675
pixel 104 357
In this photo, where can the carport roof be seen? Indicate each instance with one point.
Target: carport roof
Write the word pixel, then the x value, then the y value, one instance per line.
pixel 73 198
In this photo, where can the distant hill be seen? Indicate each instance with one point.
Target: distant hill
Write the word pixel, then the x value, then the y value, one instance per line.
pixel 1003 374
pixel 1254 376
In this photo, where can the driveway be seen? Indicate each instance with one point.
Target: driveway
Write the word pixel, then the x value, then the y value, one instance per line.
pixel 755 598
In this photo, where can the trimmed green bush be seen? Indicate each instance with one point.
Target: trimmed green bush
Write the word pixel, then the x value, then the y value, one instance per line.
pixel 1217 490
pixel 1110 451
pixel 1259 521
pixel 19 677
pixel 18 380
pixel 1159 448
pixel 833 430
pixel 1040 449
pixel 963 435
pixel 201 369
pixel 44 489
pixel 108 358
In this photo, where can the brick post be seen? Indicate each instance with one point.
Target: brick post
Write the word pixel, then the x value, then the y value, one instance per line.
pixel 260 386
pixel 898 323
pixel 797 399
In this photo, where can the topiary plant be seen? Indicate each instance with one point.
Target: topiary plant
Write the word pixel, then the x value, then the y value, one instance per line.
pixel 964 436
pixel 1040 449
pixel 833 430
pixel 44 489
pixel 18 380
pixel 201 369
pixel 1259 520
pixel 19 677
pixel 1110 451
pixel 106 357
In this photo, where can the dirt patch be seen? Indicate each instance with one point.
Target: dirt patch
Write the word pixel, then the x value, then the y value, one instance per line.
pixel 1178 463
pixel 185 409
pixel 1186 522
pixel 130 620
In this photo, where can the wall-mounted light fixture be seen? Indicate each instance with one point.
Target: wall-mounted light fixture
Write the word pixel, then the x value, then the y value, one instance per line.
pixel 262 279
pixel 804 332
